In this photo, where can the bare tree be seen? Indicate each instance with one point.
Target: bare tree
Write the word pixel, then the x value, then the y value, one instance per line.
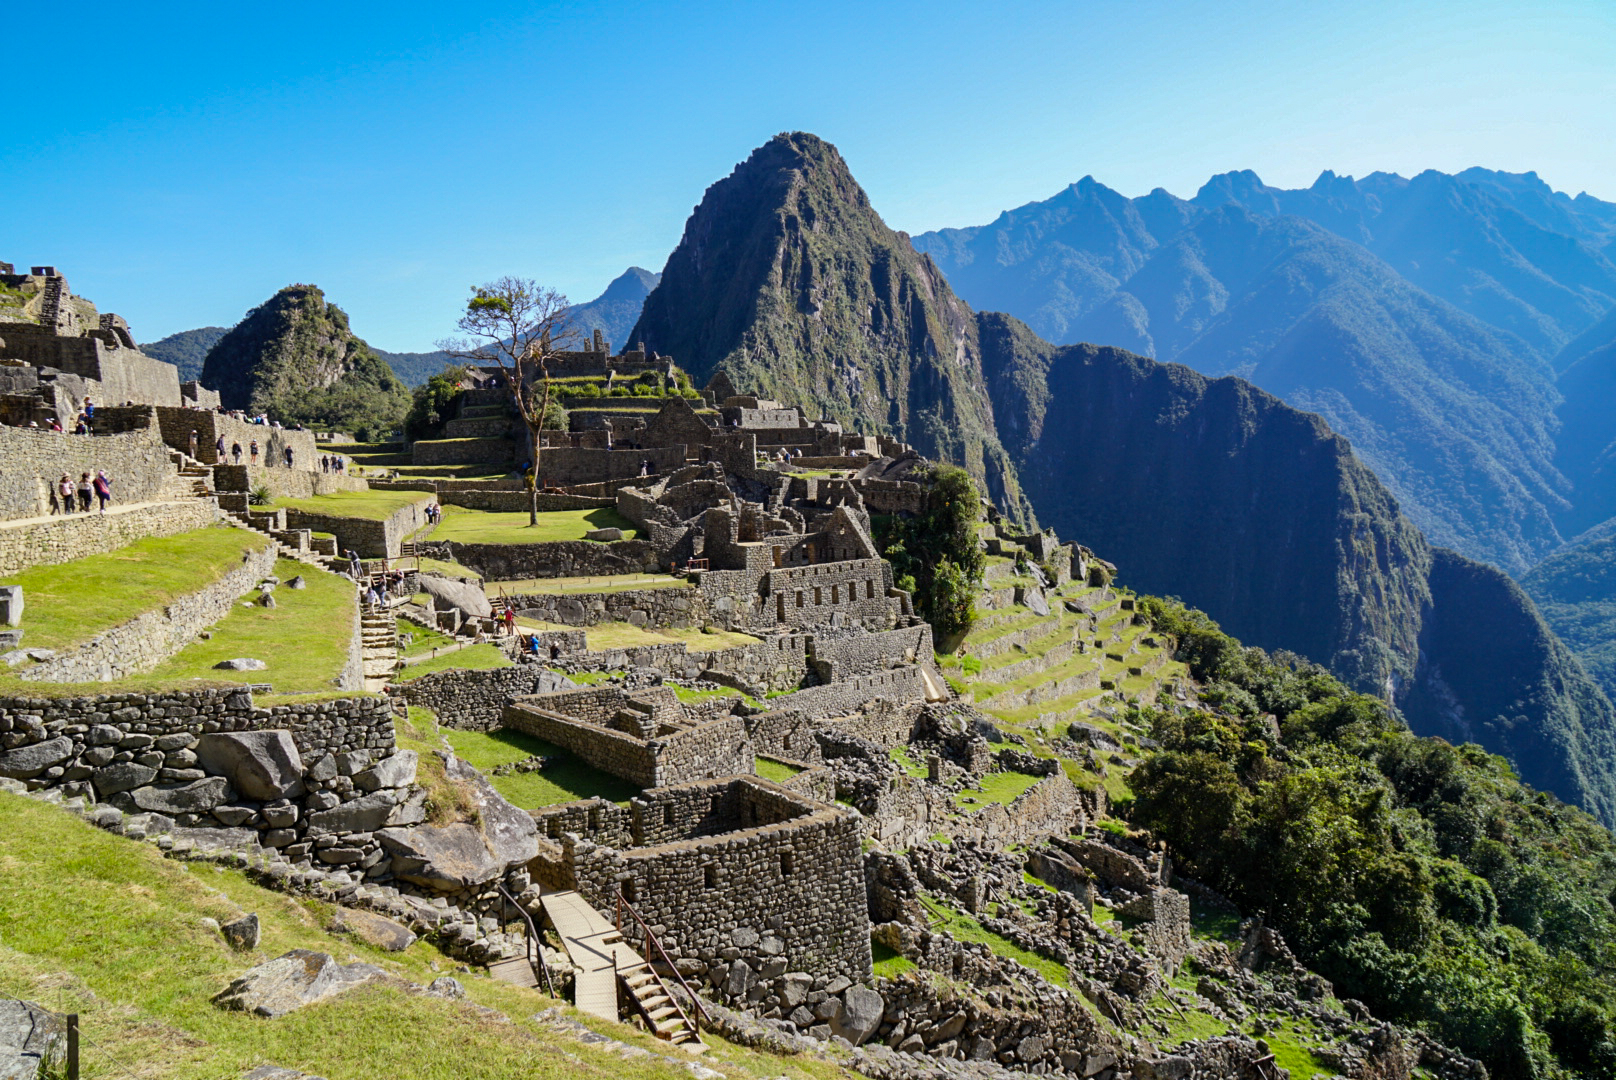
pixel 518 326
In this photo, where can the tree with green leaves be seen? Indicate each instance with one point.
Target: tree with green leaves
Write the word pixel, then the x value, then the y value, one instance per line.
pixel 937 553
pixel 518 326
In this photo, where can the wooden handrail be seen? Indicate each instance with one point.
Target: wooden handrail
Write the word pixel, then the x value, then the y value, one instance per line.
pixel 651 939
pixel 533 944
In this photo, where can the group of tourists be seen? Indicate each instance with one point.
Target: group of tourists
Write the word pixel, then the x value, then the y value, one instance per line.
pixel 333 463
pixel 434 513
pixel 63 496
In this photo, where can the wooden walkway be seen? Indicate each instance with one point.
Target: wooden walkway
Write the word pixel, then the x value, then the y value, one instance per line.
pixel 595 948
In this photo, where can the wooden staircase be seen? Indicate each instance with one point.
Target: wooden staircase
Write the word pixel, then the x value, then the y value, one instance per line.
pixel 611 975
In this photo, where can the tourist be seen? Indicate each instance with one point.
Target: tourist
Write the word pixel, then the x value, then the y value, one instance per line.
pixel 355 567
pixel 252 448
pixel 193 444
pixel 81 428
pixel 218 449
pixel 84 492
pixel 103 488
pixel 288 453
pixel 89 408
pixel 56 425
pixel 64 495
pixel 510 622
pixel 235 452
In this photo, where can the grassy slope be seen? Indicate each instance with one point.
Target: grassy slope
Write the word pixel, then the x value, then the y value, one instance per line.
pixel 106 927
pixel 69 603
pixel 566 781
pixel 476 658
pixel 304 638
pixel 481 527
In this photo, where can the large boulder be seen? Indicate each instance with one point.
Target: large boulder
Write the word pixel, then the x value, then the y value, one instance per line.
pixel 33 1040
pixel 860 1016
pixel 293 980
pixel 27 762
pixel 393 771
pixel 197 797
pixel 122 776
pixel 364 814
pixel 261 765
pixel 445 858
pixel 460 595
pixel 378 930
pixel 509 832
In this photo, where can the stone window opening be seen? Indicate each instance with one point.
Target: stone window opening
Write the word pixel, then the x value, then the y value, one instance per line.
pixel 629 892
pixel 709 877
pixel 667 814
pixel 553 827
pixel 786 864
pixel 819 596
pixel 835 594
pixel 594 818
pixel 869 589
pixel 799 598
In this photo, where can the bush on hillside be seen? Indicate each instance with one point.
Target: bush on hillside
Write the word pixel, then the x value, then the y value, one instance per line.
pixel 939 551
pixel 1420 877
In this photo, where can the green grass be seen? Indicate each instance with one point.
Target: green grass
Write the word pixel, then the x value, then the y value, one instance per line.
pixel 566 781
pixel 889 964
pixel 1184 1025
pixel 107 928
pixel 476 658
pixel 996 787
pixel 605 584
pixel 423 640
pixel 964 928
pixel 304 638
pixel 369 505
pixel 483 527
pixel 68 604
pixel 907 762
pixel 683 693
pixel 778 771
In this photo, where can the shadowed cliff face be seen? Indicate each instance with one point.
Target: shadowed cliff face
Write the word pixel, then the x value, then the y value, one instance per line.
pixel 1207 489
pixel 788 280
pixel 1218 493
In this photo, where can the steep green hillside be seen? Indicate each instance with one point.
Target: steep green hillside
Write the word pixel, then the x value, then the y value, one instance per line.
pixel 186 350
pixel 295 358
pixel 1576 591
pixel 789 280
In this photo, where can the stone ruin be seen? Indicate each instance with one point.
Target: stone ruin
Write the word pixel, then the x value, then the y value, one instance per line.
pixel 57 351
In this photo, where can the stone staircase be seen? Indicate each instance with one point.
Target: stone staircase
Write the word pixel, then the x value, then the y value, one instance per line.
pixel 50 303
pixel 289 543
pixel 199 476
pixel 378 644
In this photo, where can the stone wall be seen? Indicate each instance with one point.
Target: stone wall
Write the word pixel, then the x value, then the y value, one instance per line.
pixel 462 451
pixel 853 589
pixel 891 496
pixel 716 748
pixel 1167 924
pixel 672 607
pixel 153 636
pixel 372 539
pixel 284 483
pixel 31 461
pixel 858 654
pixel 790 893
pixel 63 539
pixel 1050 807
pixel 471 700
pixel 835 699
pixel 562 558
pixel 563 466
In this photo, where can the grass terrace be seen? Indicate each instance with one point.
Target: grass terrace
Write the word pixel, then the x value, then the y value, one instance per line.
pixel 603 584
pixel 67 604
pixel 304 638
pixel 567 780
pixel 482 657
pixel 484 527
pixel 778 771
pixel 996 787
pixel 369 505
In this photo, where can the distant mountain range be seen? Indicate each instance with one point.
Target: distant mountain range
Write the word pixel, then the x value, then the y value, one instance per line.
pixel 1421 317
pixel 1208 489
pixel 612 313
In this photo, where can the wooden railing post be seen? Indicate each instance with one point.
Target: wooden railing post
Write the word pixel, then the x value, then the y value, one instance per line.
pixel 72 1046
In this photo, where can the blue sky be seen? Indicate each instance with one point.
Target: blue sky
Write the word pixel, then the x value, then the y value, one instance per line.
pixel 180 162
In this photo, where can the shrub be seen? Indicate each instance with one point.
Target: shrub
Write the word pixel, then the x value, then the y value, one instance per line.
pixel 260 495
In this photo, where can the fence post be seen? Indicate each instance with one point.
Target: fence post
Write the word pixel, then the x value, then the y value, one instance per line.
pixel 72 1046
